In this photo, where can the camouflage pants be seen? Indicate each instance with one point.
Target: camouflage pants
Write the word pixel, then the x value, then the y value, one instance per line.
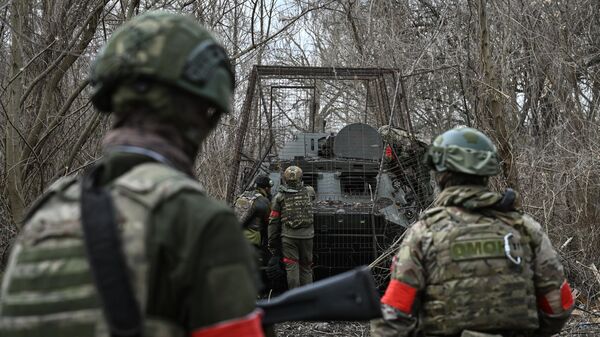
pixel 298 258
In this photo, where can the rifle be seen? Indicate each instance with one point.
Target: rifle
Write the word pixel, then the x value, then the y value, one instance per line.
pixel 350 296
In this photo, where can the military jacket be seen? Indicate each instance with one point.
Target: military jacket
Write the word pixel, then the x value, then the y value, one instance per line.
pixel 181 247
pixel 469 266
pixel 257 204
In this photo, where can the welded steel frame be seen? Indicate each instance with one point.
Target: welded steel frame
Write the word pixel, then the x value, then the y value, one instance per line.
pixel 254 89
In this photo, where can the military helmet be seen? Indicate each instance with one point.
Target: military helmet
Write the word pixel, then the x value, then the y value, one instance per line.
pixel 263 181
pixel 464 150
pixel 168 48
pixel 292 174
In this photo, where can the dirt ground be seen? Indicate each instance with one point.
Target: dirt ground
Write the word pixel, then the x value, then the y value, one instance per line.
pixel 293 329
pixel 582 324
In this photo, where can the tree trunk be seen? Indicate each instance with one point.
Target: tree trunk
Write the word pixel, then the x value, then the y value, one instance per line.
pixel 493 116
pixel 14 139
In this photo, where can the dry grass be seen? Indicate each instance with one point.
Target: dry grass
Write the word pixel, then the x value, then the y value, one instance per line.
pixel 347 329
pixel 582 324
pixel 560 184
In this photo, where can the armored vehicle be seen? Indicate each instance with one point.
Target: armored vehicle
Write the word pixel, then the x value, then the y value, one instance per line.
pixel 367 195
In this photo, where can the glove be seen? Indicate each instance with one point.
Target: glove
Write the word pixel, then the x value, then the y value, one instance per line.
pixel 274 270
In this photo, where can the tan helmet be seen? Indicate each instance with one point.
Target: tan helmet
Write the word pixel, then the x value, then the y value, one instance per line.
pixel 292 174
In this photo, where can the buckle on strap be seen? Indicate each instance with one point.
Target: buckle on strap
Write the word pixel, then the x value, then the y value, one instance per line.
pixel 516 261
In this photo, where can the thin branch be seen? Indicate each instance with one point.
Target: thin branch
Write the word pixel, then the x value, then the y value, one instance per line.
pixel 58 60
pixel 27 65
pixel 17 130
pixel 283 29
pixel 56 122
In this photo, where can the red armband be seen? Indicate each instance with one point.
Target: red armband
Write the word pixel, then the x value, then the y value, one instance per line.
pixel 288 260
pixel 544 305
pixel 555 300
pixel 275 214
pixel 388 152
pixel 400 295
pixel 566 296
pixel 248 326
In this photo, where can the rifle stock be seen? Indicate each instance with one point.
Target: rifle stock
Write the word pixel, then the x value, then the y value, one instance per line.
pixel 350 296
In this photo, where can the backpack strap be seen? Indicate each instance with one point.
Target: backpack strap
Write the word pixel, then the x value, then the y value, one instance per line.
pixel 107 260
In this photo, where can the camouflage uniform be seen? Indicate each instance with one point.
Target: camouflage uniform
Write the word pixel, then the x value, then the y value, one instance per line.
pixel 291 231
pixel 474 264
pixel 188 263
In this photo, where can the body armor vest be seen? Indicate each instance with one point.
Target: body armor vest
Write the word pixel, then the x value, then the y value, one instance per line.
pixel 49 290
pixel 297 210
pixel 479 270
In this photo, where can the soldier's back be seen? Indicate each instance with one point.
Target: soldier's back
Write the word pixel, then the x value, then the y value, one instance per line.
pixel 48 288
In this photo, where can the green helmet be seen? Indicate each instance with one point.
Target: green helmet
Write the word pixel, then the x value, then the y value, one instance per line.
pixel 464 150
pixel 292 175
pixel 168 48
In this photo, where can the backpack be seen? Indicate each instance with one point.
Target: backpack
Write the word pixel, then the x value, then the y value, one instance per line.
pixel 243 205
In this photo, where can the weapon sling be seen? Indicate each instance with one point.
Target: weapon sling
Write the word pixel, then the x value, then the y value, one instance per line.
pixel 107 260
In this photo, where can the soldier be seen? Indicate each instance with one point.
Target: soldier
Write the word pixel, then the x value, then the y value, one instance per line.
pixel 291 228
pixel 474 264
pixel 253 209
pixel 135 247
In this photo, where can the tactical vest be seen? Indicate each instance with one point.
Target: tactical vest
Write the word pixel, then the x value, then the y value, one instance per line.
pixel 48 289
pixel 479 273
pixel 297 212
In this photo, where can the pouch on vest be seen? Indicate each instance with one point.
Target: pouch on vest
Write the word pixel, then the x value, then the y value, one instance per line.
pixel 297 210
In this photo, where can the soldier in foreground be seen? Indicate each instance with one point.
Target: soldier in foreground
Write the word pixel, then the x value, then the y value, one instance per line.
pixel 135 247
pixel 474 265
pixel 291 228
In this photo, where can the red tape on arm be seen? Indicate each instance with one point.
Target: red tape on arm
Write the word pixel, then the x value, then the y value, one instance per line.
pixel 553 306
pixel 388 152
pixel 275 214
pixel 248 326
pixel 566 296
pixel 289 260
pixel 400 296
pixel 544 305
